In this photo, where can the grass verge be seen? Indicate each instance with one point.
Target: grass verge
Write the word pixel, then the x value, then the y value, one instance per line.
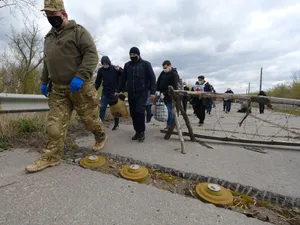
pixel 22 130
pixel 27 130
pixel 295 112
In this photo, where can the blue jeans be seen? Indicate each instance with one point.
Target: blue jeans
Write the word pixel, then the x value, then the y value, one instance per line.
pixel 228 105
pixel 209 106
pixel 103 107
pixel 170 113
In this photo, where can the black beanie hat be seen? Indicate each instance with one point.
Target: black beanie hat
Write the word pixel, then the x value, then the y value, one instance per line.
pixel 166 62
pixel 201 77
pixel 134 50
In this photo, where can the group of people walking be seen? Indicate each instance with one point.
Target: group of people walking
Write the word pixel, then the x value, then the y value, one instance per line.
pixel 139 81
pixel 70 58
pixel 141 85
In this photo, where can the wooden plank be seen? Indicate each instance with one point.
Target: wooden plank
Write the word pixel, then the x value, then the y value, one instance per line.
pixel 181 139
pixel 176 107
pixel 169 132
pixel 261 99
pixel 188 123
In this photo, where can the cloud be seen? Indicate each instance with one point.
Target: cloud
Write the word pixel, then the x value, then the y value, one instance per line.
pixel 228 42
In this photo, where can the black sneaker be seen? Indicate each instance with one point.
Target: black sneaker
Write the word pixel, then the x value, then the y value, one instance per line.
pixel 136 136
pixel 201 124
pixel 141 137
pixel 167 127
pixel 116 127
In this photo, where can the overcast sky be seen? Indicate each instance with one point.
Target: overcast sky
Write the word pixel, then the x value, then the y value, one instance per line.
pixel 227 41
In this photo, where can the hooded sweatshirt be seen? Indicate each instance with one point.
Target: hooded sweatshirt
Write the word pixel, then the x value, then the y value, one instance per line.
pixel 108 77
pixel 262 93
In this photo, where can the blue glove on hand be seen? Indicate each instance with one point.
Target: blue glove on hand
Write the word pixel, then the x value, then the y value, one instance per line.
pixel 76 84
pixel 44 89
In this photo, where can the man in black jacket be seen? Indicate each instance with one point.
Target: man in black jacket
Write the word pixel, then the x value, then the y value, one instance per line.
pixel 140 78
pixel 227 101
pixel 186 97
pixel 109 75
pixel 200 104
pixel 261 105
pixel 168 77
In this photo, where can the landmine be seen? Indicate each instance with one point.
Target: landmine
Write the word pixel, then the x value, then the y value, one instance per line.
pixel 214 193
pixel 92 161
pixel 136 173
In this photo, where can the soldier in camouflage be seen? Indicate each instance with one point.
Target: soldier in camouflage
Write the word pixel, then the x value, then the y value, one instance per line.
pixel 70 60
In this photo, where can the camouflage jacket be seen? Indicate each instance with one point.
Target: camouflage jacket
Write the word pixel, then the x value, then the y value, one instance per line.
pixel 68 53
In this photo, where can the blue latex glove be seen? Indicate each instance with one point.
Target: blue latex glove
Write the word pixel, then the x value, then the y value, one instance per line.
pixel 76 84
pixel 44 89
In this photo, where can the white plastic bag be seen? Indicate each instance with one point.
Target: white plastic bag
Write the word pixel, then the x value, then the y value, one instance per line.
pixel 161 111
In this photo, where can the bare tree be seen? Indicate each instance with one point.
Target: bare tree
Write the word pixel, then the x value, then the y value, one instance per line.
pixel 2 82
pixel 296 76
pixel 18 6
pixel 21 63
pixel 6 72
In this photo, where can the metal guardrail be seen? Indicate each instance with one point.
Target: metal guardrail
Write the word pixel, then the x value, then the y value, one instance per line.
pixel 17 103
pixel 22 103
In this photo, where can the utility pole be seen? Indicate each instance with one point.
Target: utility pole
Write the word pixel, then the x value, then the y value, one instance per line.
pixel 249 88
pixel 260 81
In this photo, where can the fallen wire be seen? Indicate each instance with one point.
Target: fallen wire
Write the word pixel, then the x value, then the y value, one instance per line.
pixel 6 185
pixel 258 125
pixel 259 150
pixel 204 144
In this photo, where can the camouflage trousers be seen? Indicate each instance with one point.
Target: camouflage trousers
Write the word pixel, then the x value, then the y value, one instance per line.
pixel 62 103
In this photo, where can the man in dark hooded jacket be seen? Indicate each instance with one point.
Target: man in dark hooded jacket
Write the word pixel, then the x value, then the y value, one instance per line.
pixel 139 76
pixel 168 77
pixel 109 76
pixel 261 105
pixel 228 101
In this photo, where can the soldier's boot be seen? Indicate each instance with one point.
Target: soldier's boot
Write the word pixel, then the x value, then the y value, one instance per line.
pixel 99 145
pixel 42 163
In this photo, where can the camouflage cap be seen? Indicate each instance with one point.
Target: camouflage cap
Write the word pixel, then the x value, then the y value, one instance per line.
pixel 53 5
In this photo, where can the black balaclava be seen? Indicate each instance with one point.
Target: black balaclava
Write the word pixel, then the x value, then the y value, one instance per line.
pixel 136 51
pixel 55 21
